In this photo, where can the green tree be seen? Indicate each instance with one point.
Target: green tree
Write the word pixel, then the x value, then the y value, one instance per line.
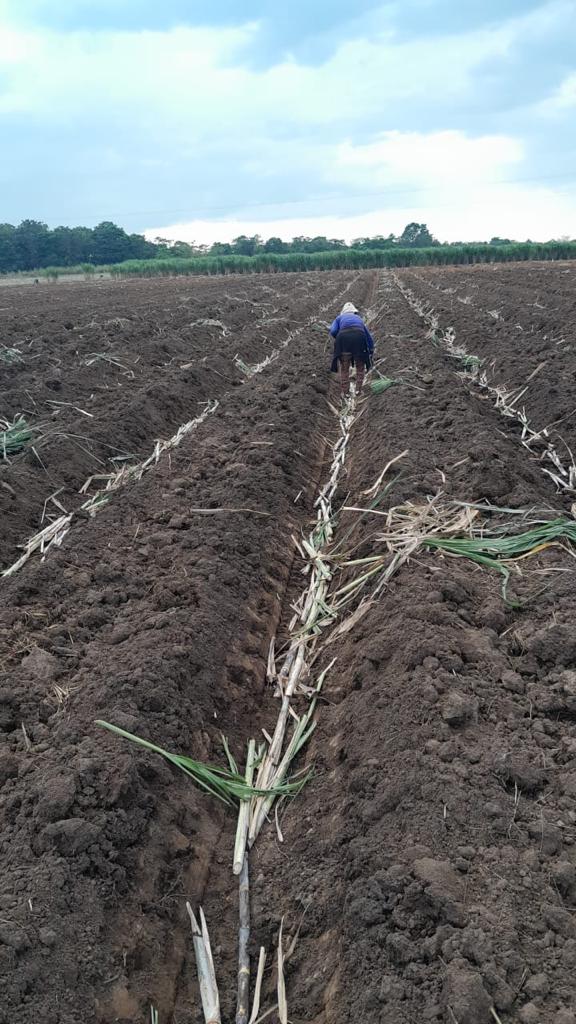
pixel 69 246
pixel 377 242
pixel 162 245
pixel 81 245
pixel 318 244
pixel 221 249
pixel 246 246
pixel 416 236
pixel 111 244
pixel 9 255
pixel 183 250
pixel 275 245
pixel 141 248
pixel 32 239
pixel 298 243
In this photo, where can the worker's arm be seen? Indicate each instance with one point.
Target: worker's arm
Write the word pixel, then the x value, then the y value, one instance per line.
pixel 369 339
pixel 335 327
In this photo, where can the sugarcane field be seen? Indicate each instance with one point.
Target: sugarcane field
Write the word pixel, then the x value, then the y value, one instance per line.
pixel 288 695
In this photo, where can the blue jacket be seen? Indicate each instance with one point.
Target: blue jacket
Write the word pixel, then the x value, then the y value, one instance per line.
pixel 352 320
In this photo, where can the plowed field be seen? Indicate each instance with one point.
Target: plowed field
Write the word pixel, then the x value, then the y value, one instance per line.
pixel 427 869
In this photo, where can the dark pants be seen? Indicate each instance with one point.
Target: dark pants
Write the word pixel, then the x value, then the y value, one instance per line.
pixel 345 363
pixel 351 349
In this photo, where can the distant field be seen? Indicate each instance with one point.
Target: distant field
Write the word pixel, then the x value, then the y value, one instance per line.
pixel 341 259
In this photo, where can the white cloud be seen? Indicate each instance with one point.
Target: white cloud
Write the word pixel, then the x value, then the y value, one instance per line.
pixel 435 157
pixel 186 103
pixel 476 214
pixel 454 182
pixel 162 72
pixel 562 100
pixel 193 80
pixel 16 47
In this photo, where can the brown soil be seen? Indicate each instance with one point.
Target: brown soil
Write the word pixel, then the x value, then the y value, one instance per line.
pixel 102 370
pixel 431 862
pixel 501 313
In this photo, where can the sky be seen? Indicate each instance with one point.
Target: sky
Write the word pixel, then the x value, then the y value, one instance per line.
pixel 206 119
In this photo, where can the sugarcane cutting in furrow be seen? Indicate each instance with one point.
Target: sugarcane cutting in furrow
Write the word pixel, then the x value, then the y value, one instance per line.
pixel 267 768
pixel 312 615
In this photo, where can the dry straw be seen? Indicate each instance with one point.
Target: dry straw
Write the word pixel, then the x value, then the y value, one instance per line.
pixel 242 1003
pixel 54 533
pixel 205 966
pixel 454 529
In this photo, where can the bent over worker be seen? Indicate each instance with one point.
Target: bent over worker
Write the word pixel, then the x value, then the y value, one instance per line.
pixel 353 346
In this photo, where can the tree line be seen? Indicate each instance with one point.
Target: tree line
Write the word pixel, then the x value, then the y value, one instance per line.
pixel 32 245
pixel 337 259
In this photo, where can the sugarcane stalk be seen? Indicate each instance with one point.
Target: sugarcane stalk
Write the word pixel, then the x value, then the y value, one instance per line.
pixel 278 737
pixel 301 734
pixel 205 967
pixel 271 664
pixel 275 750
pixel 243 940
pixel 244 814
pixel 313 608
pixel 264 803
pixel 282 1004
pixel 258 986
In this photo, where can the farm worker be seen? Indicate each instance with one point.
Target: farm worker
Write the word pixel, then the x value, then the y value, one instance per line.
pixel 353 346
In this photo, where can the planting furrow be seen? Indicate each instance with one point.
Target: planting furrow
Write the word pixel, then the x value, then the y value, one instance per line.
pixel 157 617
pixel 560 469
pixel 426 871
pixel 532 355
pixel 529 293
pixel 507 308
pixel 309 616
pixel 502 322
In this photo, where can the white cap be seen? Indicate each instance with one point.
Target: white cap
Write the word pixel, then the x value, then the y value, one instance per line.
pixel 348 307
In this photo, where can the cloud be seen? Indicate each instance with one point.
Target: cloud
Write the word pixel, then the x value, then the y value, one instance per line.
pixel 158 113
pixel 16 47
pixel 479 215
pixel 562 101
pixel 201 69
pixel 285 28
pixel 442 158
pixel 63 75
pixel 196 73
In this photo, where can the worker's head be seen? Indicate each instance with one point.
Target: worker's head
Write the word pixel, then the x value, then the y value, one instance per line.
pixel 348 307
